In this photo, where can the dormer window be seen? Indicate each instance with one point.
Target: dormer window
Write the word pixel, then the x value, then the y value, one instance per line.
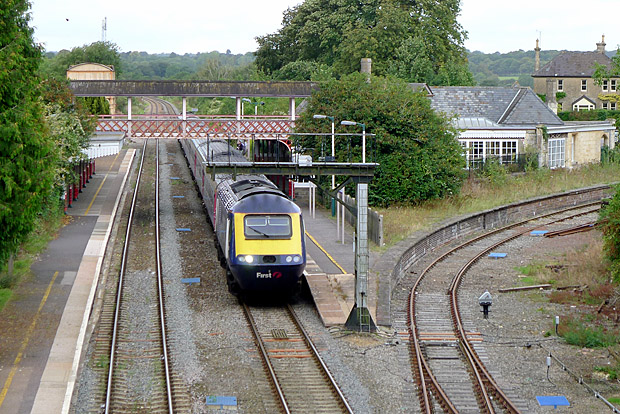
pixel 584 85
pixel 560 85
pixel 605 85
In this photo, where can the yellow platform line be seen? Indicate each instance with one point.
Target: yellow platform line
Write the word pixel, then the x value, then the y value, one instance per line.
pixel 326 254
pixel 25 342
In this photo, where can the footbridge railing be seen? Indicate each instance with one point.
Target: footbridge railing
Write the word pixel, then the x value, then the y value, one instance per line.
pixel 173 126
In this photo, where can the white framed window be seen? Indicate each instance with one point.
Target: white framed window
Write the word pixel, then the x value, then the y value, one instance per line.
pixel 613 85
pixel 556 152
pixel 605 105
pixel 477 152
pixel 612 106
pixel 605 85
pixel 560 85
pixel 509 152
pixel 584 85
pixel 587 107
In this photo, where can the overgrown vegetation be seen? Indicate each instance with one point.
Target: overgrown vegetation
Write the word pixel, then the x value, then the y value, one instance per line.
pixel 417 149
pixel 585 332
pixel 609 223
pixel 479 194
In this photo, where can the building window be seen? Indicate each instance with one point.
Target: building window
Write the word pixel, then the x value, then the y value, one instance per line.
pixel 478 152
pixel 559 107
pixel 613 85
pixel 612 106
pixel 556 151
pixel 605 106
pixel 560 85
pixel 588 107
pixel 605 85
pixel 584 85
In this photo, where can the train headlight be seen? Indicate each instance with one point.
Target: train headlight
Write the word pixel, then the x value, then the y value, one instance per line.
pixel 289 259
pixel 241 259
pixel 249 259
pixel 297 259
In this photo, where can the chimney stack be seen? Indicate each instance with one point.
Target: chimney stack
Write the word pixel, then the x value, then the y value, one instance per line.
pixel 366 65
pixel 537 64
pixel 600 47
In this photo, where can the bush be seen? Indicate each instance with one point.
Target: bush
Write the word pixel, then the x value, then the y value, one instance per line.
pixel 577 333
pixel 609 224
pixel 417 149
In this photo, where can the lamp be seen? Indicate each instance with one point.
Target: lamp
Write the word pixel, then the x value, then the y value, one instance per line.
pixel 363 136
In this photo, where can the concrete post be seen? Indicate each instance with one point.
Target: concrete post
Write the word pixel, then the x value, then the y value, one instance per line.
pixel 359 319
pixel 291 108
pixel 129 116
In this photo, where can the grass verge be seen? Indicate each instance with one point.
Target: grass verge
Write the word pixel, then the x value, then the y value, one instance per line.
pixel 483 193
pixel 46 228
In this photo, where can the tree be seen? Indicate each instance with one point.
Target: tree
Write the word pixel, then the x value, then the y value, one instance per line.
pixel 417 149
pixel 609 224
pixel 105 53
pixel 70 126
pixel 603 72
pixel 339 33
pixel 27 155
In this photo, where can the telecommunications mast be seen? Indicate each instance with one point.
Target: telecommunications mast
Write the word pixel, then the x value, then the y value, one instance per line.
pixel 104 28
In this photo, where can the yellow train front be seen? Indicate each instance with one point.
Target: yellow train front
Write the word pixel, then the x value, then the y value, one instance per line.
pixel 265 248
pixel 259 231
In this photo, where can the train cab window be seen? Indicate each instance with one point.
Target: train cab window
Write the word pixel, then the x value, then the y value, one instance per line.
pixel 258 226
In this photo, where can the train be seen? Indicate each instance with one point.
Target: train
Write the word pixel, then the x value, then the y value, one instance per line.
pixel 259 231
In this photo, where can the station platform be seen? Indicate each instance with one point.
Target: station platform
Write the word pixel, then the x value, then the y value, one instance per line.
pixel 330 269
pixel 43 326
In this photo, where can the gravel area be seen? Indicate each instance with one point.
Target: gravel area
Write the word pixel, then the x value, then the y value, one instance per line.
pixel 213 352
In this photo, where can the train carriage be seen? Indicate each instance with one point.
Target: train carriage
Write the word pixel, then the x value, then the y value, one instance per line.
pixel 259 231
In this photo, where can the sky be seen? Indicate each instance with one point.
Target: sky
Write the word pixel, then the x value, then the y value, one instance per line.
pixel 191 26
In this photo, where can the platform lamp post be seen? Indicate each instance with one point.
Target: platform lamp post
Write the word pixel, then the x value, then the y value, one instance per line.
pixel 242 107
pixel 363 136
pixel 256 107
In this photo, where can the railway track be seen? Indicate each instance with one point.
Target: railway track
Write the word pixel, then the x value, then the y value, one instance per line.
pixel 447 355
pixel 131 350
pixel 299 376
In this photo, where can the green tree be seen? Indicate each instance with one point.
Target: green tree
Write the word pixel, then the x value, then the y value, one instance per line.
pixel 27 153
pixel 417 149
pixel 105 53
pixel 609 223
pixel 70 126
pixel 339 33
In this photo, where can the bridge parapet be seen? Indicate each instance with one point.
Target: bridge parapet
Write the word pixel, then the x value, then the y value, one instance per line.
pixel 192 88
pixel 174 127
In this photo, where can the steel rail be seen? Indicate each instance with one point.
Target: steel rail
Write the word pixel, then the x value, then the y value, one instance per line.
pixel 119 291
pixel 471 354
pixel 422 369
pixel 317 356
pixel 266 361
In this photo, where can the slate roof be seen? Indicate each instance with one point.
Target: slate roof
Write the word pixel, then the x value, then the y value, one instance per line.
pixel 573 64
pixel 507 107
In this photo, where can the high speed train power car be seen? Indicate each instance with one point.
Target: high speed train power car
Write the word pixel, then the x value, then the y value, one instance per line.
pixel 259 230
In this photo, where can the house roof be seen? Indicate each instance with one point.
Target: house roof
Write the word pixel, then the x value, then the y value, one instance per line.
pixel 573 64
pixel 506 107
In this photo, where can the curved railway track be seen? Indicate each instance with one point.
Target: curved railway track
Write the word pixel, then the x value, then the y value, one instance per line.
pixel 446 353
pixel 300 378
